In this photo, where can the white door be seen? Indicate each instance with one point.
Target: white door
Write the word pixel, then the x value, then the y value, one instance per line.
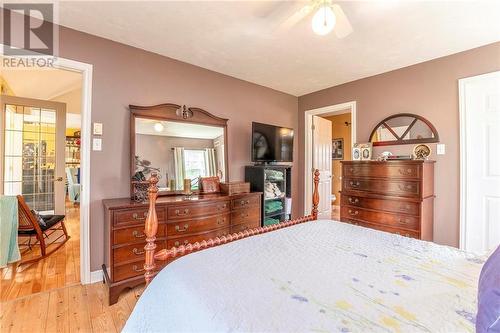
pixel 480 139
pixel 322 160
pixel 32 143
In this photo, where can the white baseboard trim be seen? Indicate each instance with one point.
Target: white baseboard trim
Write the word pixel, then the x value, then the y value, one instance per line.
pixel 96 276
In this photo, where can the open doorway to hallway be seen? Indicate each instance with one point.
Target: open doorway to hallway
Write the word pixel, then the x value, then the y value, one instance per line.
pixel 329 129
pixel 40 161
pixel 341 151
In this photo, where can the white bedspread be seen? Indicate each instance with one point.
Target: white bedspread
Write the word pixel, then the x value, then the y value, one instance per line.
pixel 319 276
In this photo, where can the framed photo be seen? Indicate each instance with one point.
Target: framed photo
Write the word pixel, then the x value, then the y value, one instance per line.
pixel 338 149
pixel 366 151
pixel 356 152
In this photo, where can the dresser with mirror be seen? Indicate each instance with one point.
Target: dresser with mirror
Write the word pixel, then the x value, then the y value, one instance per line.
pixel 181 145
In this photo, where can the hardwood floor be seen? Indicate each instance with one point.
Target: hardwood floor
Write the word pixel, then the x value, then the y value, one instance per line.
pixel 47 296
pixel 336 213
pixel 68 309
pixel 62 268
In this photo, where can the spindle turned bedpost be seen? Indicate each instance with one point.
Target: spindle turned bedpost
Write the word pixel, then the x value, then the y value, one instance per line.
pixel 150 229
pixel 315 199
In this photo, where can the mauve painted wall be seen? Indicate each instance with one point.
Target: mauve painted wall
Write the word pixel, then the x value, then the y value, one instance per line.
pixel 125 75
pixel 429 89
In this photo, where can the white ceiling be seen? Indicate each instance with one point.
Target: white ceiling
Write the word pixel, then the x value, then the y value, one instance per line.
pixel 175 129
pixel 44 84
pixel 238 38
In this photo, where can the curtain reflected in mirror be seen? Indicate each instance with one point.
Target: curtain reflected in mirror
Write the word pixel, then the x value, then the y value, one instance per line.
pixel 178 151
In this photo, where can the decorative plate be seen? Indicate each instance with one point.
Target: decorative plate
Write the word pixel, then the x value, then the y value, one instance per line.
pixel 421 152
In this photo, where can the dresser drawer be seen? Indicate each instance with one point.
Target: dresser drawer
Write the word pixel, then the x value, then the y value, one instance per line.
pixel 245 215
pixel 133 252
pixel 133 269
pixel 134 234
pixel 387 187
pixel 395 206
pixel 191 226
pixel 175 242
pixel 195 210
pixel 382 170
pixel 135 216
pixel 244 202
pixel 245 226
pixel 380 218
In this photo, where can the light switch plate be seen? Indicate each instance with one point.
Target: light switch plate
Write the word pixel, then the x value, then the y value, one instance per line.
pixel 97 128
pixel 440 149
pixel 96 144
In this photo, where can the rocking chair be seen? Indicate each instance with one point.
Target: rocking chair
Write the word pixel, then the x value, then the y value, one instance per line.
pixel 29 227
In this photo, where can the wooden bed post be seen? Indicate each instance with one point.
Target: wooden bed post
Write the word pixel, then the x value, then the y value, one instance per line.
pixel 315 200
pixel 150 229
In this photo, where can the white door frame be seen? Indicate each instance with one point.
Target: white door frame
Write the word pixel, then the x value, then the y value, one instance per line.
pixel 86 71
pixel 463 153
pixel 308 116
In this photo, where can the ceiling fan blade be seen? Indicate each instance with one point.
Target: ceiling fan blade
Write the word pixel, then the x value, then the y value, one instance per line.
pixel 298 15
pixel 343 27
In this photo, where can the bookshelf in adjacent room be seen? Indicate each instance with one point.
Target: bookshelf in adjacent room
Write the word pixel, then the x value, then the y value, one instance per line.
pixel 275 182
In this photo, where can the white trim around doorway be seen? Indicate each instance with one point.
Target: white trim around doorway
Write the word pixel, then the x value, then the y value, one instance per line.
pixel 86 70
pixel 348 107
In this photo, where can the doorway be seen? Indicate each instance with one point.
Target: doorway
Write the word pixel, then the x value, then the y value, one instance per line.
pixel 336 112
pixel 46 107
pixel 480 162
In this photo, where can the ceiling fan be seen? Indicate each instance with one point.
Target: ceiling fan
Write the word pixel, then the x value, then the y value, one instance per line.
pixel 328 16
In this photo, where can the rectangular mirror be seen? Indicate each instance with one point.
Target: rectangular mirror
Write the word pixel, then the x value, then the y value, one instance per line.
pixel 177 150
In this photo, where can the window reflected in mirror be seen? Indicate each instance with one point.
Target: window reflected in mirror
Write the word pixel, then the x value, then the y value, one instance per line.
pixel 178 151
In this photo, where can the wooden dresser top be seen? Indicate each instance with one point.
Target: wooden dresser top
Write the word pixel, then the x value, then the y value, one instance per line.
pixel 120 203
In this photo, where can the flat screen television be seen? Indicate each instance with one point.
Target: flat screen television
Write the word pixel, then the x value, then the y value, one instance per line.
pixel 271 143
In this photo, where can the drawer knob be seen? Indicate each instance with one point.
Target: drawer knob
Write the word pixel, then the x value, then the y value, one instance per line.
pixel 221 221
pixel 137 269
pixel 136 216
pixel 244 215
pixel 176 244
pixel 354 183
pixel 406 172
pixel 407 235
pixel 178 212
pixel 137 251
pixel 405 187
pixel 353 212
pixel 178 228
pixel 353 200
pixel 244 202
pixel 136 234
pixel 223 206
pixel 403 221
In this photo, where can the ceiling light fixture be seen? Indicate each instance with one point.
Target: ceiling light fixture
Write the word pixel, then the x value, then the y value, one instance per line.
pixel 324 20
pixel 158 127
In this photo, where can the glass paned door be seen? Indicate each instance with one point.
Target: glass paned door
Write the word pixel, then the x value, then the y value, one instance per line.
pixel 31 153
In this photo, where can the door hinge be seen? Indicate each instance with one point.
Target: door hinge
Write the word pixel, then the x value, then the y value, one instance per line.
pixel 313 127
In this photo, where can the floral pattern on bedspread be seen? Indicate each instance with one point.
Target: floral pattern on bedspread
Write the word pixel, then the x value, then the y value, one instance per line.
pixel 322 276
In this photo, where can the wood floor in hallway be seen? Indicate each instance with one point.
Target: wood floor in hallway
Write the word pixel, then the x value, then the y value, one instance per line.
pixel 62 268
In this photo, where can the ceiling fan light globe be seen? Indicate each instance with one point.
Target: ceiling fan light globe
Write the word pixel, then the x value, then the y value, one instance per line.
pixel 158 127
pixel 323 21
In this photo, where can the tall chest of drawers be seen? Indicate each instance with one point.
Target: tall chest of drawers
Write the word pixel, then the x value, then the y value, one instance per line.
pixel 392 196
pixel 180 222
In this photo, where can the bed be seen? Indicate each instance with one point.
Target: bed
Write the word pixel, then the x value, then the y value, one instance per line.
pixel 310 275
pixel 318 276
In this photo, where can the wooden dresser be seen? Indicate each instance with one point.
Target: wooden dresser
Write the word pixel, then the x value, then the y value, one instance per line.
pixel 181 222
pixel 392 196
